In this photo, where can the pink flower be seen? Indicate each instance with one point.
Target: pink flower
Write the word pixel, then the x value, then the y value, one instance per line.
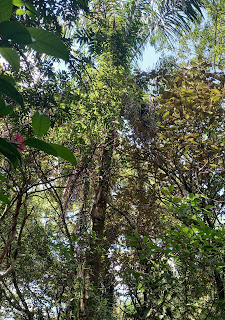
pixel 19 140
pixel 3 117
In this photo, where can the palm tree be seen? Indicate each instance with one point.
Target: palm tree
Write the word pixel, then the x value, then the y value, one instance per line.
pixel 123 28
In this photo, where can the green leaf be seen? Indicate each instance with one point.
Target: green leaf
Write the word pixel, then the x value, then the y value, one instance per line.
pixel 47 42
pixel 3 178
pixel 10 151
pixel 30 14
pixel 131 238
pixel 18 3
pixel 145 239
pixel 15 31
pixel 165 115
pixel 5 109
pixel 8 79
pixel 41 145
pixel 11 56
pixel 191 196
pixel 4 199
pixel 65 153
pixel 20 12
pixel 171 188
pixel 40 124
pixel 136 233
pixel 7 89
pixel 31 8
pixel 6 10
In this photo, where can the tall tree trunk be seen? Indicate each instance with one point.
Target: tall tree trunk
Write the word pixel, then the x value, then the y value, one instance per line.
pixel 98 211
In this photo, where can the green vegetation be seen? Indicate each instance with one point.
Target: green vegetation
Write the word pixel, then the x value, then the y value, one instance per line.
pixel 112 178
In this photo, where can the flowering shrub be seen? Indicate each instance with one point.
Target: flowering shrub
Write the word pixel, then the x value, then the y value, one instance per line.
pixel 18 140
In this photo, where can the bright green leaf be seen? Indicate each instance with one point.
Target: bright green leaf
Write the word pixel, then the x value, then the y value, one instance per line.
pixel 40 123
pixel 11 56
pixel 18 3
pixel 20 12
pixel 6 10
pixel 166 114
pixel 191 196
pixel 47 42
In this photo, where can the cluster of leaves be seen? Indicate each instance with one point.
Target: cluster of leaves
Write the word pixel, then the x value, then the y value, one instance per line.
pixel 16 37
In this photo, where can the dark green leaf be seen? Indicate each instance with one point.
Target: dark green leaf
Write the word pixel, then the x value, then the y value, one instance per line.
pixel 5 109
pixel 15 31
pixel 11 56
pixel 31 8
pixel 65 153
pixel 2 178
pixel 10 151
pixel 5 10
pixel 4 199
pixel 40 124
pixel 7 89
pixel 47 42
pixel 41 145
pixel 8 79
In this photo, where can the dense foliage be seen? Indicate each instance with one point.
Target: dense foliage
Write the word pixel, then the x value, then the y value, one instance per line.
pixel 112 178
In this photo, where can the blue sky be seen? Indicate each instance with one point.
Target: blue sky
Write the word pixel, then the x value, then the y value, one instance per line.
pixel 149 59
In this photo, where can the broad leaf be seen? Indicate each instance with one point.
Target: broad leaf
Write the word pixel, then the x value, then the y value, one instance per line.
pixel 40 124
pixel 8 79
pixel 41 145
pixel 18 3
pixel 65 153
pixel 20 12
pixel 5 10
pixel 10 151
pixel 5 109
pixel 7 89
pixel 31 8
pixel 15 31
pixel 47 42
pixel 11 56
pixel 4 199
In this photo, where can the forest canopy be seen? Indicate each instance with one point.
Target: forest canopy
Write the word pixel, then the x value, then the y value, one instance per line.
pixel 112 177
